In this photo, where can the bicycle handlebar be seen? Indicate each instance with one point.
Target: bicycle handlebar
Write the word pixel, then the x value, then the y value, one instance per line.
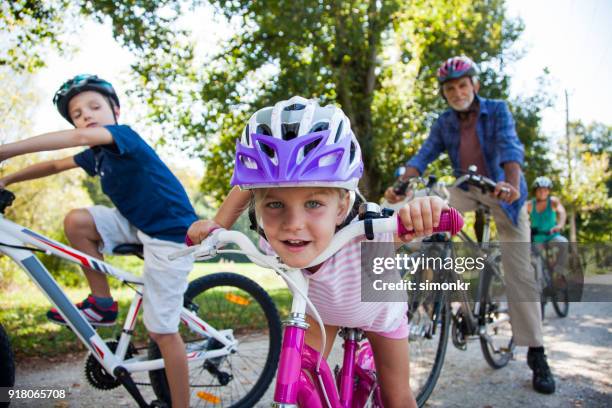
pixel 450 221
pixel 486 184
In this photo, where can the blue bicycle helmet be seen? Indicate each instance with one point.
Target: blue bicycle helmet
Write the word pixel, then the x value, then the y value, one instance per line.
pixel 81 83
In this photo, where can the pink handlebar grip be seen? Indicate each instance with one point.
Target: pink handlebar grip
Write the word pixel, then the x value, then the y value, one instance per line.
pixel 450 221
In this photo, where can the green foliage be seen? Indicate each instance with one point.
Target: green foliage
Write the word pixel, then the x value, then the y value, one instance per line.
pixel 22 314
pixel 527 112
pixel 94 190
pixel 587 192
pixel 29 28
pixel 594 179
pixel 41 206
pixel 375 59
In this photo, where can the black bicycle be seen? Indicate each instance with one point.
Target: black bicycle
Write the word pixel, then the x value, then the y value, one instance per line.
pixel 433 315
pixel 554 285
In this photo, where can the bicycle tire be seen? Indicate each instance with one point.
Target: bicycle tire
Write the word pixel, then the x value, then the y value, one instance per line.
pixel 495 311
pixel 7 363
pixel 429 318
pixel 216 288
pixel 560 295
pixel 439 342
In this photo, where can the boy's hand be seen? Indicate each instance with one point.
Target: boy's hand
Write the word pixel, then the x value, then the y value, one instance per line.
pixel 199 230
pixel 421 215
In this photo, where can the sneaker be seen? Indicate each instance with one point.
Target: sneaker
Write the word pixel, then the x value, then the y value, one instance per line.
pixel 94 314
pixel 543 380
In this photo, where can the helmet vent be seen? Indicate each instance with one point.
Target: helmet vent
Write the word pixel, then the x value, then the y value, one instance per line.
pixel 311 146
pixel 290 130
pixel 295 107
pixel 319 127
pixel 329 159
pixel 267 149
pixel 248 163
pixel 263 129
pixel 339 132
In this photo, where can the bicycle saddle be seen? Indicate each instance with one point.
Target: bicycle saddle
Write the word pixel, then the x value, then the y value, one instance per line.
pixel 129 249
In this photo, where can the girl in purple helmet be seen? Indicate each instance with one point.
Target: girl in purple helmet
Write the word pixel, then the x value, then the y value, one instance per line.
pixel 298 164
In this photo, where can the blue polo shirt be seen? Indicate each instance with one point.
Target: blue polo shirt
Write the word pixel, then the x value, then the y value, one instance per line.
pixel 140 185
pixel 498 139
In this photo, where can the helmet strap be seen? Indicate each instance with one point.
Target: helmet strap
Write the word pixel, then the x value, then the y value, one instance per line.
pixel 112 106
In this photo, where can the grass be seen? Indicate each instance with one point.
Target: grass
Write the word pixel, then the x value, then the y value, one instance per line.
pixel 23 309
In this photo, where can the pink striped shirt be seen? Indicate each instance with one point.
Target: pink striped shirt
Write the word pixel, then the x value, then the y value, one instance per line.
pixel 335 290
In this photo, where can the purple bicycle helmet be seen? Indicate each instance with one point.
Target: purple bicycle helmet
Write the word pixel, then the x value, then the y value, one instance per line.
pixel 297 143
pixel 457 67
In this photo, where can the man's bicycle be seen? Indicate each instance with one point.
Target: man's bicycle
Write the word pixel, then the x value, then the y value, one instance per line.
pixel 554 285
pixel 230 326
pixel 434 315
pixel 304 378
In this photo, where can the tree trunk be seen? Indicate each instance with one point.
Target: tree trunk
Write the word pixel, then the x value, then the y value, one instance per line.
pixel 572 224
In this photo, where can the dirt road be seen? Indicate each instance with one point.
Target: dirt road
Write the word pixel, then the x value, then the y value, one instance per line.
pixel 579 349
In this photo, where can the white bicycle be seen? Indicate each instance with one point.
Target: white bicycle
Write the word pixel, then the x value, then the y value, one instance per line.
pixel 230 327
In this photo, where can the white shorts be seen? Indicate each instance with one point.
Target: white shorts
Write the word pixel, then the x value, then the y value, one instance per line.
pixel 165 281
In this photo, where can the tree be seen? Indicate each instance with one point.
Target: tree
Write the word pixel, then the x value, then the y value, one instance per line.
pixel 527 112
pixel 587 194
pixel 376 59
pixel 594 225
pixel 28 29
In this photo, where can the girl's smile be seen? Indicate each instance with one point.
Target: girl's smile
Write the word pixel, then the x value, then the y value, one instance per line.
pixel 299 222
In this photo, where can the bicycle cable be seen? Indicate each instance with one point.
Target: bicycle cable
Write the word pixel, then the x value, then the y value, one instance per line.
pixel 23 247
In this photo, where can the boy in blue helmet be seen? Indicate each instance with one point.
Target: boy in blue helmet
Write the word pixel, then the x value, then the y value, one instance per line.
pixel 152 208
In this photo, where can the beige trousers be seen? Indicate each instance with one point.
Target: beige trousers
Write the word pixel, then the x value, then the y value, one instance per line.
pixel 526 316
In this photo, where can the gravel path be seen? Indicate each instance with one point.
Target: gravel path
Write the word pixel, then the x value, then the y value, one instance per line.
pixel 579 349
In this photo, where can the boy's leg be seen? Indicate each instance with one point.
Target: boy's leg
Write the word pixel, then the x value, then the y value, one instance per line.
pixel 175 362
pixel 83 235
pixel 165 283
pixel 392 359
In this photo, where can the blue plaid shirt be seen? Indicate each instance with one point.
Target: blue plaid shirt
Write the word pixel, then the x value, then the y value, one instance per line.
pixel 498 140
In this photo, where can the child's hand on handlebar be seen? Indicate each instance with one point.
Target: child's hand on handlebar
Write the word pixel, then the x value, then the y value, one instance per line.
pixel 506 192
pixel 199 230
pixel 421 215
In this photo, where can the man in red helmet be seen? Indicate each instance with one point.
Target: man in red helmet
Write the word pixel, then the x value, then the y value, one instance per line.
pixel 480 132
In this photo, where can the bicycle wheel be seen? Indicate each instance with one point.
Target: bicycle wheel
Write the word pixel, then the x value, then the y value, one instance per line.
pixel 228 301
pixel 429 321
pixel 560 294
pixel 496 341
pixel 428 339
pixel 7 363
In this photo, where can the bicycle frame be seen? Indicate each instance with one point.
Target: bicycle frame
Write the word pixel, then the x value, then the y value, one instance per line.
pixel 114 363
pixel 295 387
